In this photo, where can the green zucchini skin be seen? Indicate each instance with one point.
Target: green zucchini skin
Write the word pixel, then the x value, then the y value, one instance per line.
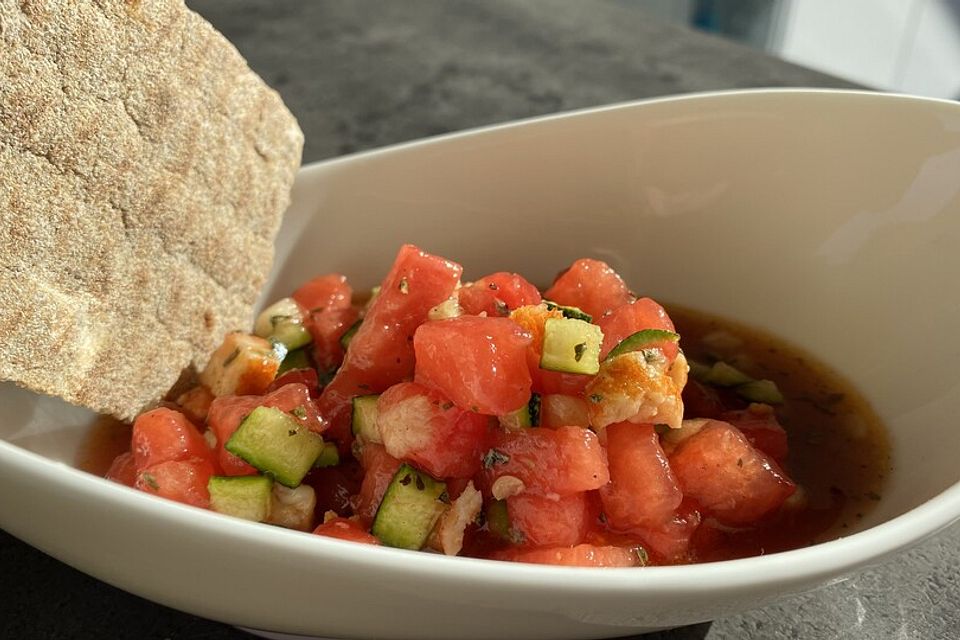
pixel 523 418
pixel 642 339
pixel 348 335
pixel 296 359
pixel 575 313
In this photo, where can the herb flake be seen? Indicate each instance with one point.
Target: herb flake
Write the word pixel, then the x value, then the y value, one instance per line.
pixel 231 357
pixel 151 481
pixel 579 350
pixel 493 457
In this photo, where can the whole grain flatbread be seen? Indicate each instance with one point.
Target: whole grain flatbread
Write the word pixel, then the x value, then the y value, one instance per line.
pixel 144 170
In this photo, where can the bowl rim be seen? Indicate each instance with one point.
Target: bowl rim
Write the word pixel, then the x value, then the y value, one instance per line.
pixel 722 94
pixel 798 566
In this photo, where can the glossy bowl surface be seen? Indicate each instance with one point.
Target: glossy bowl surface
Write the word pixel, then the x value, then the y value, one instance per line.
pixel 830 218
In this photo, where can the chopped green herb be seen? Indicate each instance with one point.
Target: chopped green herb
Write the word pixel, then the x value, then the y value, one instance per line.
pixel 578 350
pixel 300 412
pixel 651 356
pixel 596 398
pixel 642 556
pixel 275 320
pixel 231 357
pixel 494 457
pixel 151 481
pixel 533 408
pixel 516 536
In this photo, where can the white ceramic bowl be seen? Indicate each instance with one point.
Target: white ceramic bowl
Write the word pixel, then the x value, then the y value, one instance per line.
pixel 832 218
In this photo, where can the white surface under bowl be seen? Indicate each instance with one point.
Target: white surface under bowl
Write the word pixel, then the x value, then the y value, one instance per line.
pixel 831 218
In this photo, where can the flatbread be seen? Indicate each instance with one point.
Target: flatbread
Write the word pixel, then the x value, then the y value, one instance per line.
pixel 144 170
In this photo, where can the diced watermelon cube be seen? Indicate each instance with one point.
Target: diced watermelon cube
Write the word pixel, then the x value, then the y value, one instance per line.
pixel 381 352
pixel 542 521
pixel 560 461
pixel 346 529
pixel 643 491
pixel 180 480
pixel 734 482
pixel 582 555
pixel 591 285
pixel 163 435
pixel 479 363
pixel 497 294
pixel 629 318
pixel 422 426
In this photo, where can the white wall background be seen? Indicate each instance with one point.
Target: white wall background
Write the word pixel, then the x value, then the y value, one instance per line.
pixel 911 46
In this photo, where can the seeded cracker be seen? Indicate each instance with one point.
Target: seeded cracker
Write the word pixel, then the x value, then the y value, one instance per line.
pixel 144 170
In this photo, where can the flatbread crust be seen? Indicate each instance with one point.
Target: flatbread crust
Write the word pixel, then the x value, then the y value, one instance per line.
pixel 144 170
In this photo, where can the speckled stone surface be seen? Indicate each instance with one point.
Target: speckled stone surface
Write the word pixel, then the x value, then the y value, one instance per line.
pixel 362 74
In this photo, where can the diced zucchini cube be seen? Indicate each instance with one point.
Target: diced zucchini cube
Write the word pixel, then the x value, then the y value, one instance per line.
pixel 571 346
pixel 526 416
pixel 277 444
pixel 329 456
pixel 765 391
pixel 283 322
pixel 296 359
pixel 364 420
pixel 246 497
pixel 726 375
pixel 410 508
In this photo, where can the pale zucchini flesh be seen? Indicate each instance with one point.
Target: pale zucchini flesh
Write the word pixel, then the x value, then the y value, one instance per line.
pixel 571 346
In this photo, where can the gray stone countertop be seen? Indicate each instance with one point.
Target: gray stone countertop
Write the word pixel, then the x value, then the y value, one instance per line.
pixel 362 74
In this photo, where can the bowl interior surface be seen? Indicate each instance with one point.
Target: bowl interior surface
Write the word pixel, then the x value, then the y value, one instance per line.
pixel 828 218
